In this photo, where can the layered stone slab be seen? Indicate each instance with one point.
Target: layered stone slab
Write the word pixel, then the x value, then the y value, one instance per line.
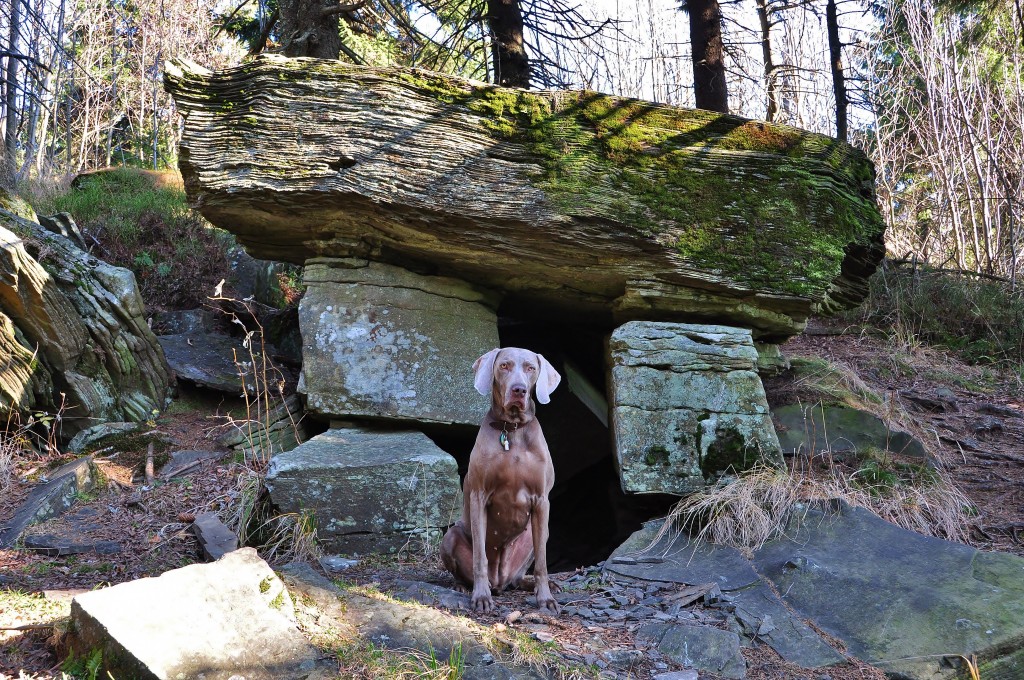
pixel 583 205
pixel 50 498
pixel 687 405
pixel 383 342
pixel 368 490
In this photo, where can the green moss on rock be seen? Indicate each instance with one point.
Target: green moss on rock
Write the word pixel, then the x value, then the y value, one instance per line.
pixel 782 219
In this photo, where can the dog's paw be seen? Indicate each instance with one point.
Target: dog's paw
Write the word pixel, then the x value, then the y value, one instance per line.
pixel 548 605
pixel 483 603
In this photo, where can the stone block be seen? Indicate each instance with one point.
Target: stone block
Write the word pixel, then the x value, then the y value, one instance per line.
pixel 383 342
pixel 702 647
pixel 214 537
pixel 368 491
pixel 687 405
pixel 231 618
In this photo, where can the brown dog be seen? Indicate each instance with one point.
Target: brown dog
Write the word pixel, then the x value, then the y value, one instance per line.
pixel 504 523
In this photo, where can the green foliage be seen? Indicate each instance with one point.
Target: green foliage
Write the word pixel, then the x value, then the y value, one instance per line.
pixel 880 474
pixel 143 222
pixel 980 319
pixel 85 667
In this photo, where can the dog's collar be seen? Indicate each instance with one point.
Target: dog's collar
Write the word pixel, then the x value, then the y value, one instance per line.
pixel 504 438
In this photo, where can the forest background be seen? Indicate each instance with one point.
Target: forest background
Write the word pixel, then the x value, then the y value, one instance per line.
pixel 931 90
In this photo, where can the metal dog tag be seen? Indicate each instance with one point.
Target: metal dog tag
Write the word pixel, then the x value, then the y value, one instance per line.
pixel 503 440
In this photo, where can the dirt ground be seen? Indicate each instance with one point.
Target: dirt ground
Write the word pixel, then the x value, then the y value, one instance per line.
pixel 974 426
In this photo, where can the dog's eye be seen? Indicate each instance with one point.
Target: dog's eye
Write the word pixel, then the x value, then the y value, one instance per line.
pixel 530 369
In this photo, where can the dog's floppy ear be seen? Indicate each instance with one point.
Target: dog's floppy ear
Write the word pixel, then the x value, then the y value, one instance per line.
pixel 547 380
pixel 483 371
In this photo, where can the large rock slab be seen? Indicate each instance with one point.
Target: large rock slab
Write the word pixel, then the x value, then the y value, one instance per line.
pixel 673 558
pixel 904 602
pixel 687 405
pixel 82 329
pixel 897 599
pixel 383 342
pixel 227 619
pixel 368 491
pixel 578 202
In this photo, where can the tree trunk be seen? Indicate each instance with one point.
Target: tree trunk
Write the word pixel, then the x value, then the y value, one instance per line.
pixel 307 30
pixel 508 51
pixel 708 55
pixel 11 78
pixel 771 82
pixel 835 52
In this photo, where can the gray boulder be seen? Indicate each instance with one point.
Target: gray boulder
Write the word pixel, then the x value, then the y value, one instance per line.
pixel 93 437
pixel 209 360
pixel 899 600
pixel 701 647
pixel 368 491
pixel 813 428
pixel 81 327
pixel 216 621
pixel 383 342
pixel 687 405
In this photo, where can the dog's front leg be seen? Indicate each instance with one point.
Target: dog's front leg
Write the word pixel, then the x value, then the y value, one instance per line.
pixel 542 588
pixel 482 601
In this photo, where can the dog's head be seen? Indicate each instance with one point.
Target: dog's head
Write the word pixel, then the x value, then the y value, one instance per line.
pixel 508 374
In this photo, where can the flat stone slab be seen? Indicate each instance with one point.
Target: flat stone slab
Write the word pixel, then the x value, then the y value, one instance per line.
pixel 432 595
pixel 813 428
pixel 896 599
pixel 59 546
pixel 383 342
pixel 701 647
pixel 687 405
pixel 899 600
pixel 50 498
pixel 712 216
pixel 216 621
pixel 367 490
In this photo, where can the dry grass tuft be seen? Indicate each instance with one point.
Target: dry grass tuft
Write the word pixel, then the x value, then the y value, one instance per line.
pixel 754 507
pixel 745 511
pixel 279 538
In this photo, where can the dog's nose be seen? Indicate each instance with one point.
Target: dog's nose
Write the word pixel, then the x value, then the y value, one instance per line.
pixel 519 390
